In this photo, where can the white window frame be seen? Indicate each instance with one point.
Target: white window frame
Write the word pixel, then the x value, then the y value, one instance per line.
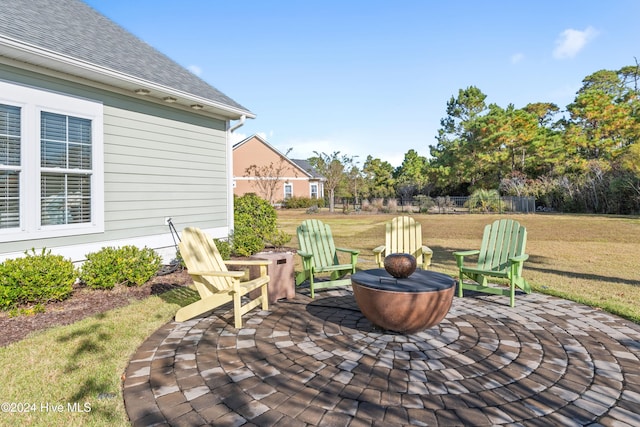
pixel 32 101
pixel 289 186
pixel 311 185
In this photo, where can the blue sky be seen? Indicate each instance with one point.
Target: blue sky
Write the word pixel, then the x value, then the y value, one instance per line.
pixel 373 77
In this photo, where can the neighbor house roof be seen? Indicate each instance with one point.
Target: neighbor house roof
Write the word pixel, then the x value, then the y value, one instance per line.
pixel 306 166
pixel 303 165
pixel 71 37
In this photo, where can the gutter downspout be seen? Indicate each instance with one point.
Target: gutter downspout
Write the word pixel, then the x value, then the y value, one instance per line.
pixel 237 125
pixel 230 210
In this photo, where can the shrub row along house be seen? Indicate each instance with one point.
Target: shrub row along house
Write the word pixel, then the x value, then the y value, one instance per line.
pixel 102 137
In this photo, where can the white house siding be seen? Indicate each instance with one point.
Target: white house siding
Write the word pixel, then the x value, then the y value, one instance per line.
pixel 158 162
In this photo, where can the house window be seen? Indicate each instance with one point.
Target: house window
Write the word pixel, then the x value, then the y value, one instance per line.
pixel 314 191
pixel 65 161
pixel 51 175
pixel 288 191
pixel 9 166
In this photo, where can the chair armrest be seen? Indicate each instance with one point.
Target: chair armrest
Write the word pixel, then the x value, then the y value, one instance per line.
pixel 233 274
pixel 248 262
pixel 427 250
pixel 466 253
pixel 427 254
pixel 352 251
pixel 379 253
pixel 521 258
pixel 461 254
pixel 304 254
pixel 354 257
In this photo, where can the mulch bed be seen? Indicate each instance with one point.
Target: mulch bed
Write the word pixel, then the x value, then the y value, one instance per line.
pixel 84 303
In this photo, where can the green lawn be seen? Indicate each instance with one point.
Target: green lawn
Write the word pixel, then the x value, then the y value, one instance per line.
pixel 71 375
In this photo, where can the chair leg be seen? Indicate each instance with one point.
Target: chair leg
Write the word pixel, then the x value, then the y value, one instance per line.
pixel 311 285
pixel 265 298
pixel 512 294
pixel 460 286
pixel 237 310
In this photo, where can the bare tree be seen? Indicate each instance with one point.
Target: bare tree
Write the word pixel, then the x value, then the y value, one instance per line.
pixel 268 177
pixel 332 167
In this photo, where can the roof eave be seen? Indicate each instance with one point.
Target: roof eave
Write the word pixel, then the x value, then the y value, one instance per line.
pixel 35 55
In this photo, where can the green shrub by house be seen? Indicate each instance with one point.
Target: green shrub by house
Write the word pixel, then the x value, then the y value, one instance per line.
pixel 254 225
pixel 224 247
pixel 36 278
pixel 127 265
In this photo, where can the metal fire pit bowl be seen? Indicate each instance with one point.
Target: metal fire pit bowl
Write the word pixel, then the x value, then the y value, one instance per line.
pixel 404 305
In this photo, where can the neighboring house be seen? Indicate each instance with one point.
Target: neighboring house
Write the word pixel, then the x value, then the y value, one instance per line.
pixel 102 137
pixel 277 178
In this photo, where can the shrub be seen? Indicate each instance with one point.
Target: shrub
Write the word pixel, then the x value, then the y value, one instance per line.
pixel 302 203
pixel 392 206
pixel 377 204
pixel 484 201
pixel 254 222
pixel 224 247
pixel 127 265
pixel 425 203
pixel 27 311
pixel 36 278
pixel 278 238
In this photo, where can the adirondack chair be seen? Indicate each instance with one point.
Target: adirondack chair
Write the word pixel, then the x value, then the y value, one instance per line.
pixel 215 284
pixel 404 235
pixel 319 255
pixel 502 255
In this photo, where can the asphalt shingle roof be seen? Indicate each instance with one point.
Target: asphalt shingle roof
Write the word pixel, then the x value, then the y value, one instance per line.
pixel 305 165
pixel 76 30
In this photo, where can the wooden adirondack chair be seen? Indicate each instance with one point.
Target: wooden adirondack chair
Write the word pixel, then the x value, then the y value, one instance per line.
pixel 404 235
pixel 215 284
pixel 319 255
pixel 502 254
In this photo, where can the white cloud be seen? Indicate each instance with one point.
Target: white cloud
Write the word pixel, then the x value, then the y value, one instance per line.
pixel 195 69
pixel 237 137
pixel 573 41
pixel 517 57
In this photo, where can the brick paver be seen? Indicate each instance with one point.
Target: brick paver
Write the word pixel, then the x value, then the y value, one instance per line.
pixel 547 361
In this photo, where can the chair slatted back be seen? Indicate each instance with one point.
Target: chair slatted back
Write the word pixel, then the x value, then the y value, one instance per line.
pixel 315 237
pixel 199 252
pixel 501 240
pixel 403 235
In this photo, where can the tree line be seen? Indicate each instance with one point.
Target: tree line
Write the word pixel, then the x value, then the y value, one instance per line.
pixel 585 158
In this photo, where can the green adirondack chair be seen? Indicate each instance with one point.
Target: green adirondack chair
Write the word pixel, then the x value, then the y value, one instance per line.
pixel 319 255
pixel 214 282
pixel 502 255
pixel 404 235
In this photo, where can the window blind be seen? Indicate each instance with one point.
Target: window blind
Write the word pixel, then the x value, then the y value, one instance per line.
pixel 9 166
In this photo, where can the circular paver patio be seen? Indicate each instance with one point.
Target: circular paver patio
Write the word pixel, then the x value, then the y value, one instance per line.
pixel 547 361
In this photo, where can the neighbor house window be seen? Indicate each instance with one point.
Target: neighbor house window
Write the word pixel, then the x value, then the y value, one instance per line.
pixel 314 191
pixel 288 191
pixel 51 177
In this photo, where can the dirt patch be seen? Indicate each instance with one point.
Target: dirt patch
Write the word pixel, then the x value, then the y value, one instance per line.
pixel 84 303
